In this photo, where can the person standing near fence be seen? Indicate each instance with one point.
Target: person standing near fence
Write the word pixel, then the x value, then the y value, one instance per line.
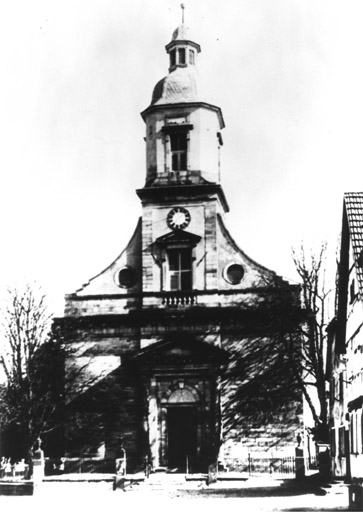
pixel 2 467
pixel 119 481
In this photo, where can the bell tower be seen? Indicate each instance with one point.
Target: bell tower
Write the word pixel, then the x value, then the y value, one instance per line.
pixel 182 196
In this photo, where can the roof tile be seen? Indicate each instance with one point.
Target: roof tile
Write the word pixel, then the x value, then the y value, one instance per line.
pixel 354 208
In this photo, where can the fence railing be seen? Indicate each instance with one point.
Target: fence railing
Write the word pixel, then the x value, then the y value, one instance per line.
pixel 251 465
pixel 266 465
pixel 80 465
pixel 17 470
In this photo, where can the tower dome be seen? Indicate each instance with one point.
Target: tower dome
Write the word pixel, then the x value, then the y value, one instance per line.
pixel 179 86
pixel 181 33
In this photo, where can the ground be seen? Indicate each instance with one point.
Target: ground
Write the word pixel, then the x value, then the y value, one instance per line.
pixel 252 494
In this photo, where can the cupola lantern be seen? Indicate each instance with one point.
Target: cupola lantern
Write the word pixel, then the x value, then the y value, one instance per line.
pixel 181 49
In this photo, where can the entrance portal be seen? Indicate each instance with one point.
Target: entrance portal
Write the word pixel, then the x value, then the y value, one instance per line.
pixel 182 436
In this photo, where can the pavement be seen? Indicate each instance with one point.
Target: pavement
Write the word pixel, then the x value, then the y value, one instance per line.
pixel 95 492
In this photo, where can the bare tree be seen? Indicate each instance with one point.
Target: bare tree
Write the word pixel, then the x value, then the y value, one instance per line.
pixel 274 365
pixel 260 379
pixel 315 301
pixel 27 359
pixel 45 375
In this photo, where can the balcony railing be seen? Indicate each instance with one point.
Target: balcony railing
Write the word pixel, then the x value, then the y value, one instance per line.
pixel 179 178
pixel 179 299
pixel 201 298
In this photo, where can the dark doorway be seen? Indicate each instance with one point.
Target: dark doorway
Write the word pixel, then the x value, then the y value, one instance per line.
pixel 182 436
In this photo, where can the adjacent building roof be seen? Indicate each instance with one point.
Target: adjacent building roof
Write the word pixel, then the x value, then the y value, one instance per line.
pixel 354 210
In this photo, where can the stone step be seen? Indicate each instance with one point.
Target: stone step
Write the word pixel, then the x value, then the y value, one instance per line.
pixel 165 482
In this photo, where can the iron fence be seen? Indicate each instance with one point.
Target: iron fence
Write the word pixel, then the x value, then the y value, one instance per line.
pixel 253 464
pixel 250 465
pixel 79 465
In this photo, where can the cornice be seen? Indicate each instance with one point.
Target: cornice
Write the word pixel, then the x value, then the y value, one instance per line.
pixel 193 104
pixel 162 192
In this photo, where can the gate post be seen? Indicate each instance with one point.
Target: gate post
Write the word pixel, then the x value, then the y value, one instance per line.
pixel 299 460
pixel 38 464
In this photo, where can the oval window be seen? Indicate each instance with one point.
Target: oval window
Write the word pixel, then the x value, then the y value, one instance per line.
pixel 235 273
pixel 127 277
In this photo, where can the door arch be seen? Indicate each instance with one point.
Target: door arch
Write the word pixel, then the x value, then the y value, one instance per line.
pixel 184 396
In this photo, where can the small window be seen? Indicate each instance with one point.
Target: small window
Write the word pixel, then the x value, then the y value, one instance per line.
pixel 341 386
pixel 234 273
pixel 358 429
pixel 360 259
pixel 178 145
pixel 342 451
pixel 180 269
pixel 127 277
pixel 191 57
pixel 181 54
pixel 332 442
pixel 172 58
pixel 352 291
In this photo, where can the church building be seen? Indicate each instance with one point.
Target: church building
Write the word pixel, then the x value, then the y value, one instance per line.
pixel 153 335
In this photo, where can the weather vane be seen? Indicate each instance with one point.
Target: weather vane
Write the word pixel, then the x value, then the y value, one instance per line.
pixel 183 7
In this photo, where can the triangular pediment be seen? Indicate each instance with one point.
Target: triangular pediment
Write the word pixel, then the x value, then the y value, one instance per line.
pixel 178 236
pixel 182 352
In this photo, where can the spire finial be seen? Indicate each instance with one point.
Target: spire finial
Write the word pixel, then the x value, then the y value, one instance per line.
pixel 182 7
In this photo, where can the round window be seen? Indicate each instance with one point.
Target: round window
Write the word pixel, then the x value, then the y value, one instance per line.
pixel 127 277
pixel 234 273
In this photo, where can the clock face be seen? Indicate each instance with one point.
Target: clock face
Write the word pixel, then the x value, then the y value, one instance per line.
pixel 178 218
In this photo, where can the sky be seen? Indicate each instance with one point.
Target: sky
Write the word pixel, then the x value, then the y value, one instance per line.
pixel 76 74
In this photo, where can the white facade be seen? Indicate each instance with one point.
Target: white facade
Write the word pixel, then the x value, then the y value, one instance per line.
pixel 347 355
